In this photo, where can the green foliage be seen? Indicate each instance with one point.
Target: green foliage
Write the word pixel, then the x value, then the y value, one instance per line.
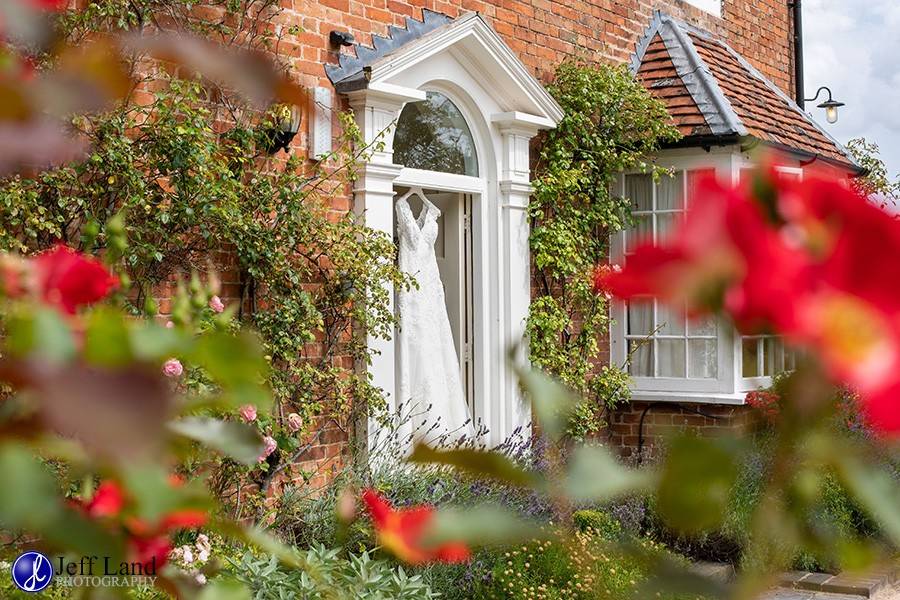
pixel 833 510
pixel 185 178
pixel 610 125
pixel 697 479
pixel 876 181
pixel 352 576
pixel 599 522
pixel 584 568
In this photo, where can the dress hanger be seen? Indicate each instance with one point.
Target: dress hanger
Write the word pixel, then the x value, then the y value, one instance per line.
pixel 417 191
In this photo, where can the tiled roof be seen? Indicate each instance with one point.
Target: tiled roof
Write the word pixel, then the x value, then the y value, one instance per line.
pixel 712 91
pixel 352 67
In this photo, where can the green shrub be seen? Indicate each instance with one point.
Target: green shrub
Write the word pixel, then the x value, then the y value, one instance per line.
pixel 584 569
pixel 834 511
pixel 598 522
pixel 357 576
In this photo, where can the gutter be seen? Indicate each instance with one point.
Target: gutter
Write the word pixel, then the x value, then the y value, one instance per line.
pixel 797 7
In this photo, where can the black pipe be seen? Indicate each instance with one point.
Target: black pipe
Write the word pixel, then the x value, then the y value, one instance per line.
pixel 797 5
pixel 667 404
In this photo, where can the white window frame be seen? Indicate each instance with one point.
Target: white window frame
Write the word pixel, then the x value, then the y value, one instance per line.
pixel 729 387
pixel 748 384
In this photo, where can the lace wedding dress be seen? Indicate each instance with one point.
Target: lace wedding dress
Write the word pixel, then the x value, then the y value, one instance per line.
pixel 430 389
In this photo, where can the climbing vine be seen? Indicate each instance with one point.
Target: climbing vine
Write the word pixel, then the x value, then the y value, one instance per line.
pixel 611 124
pixel 876 181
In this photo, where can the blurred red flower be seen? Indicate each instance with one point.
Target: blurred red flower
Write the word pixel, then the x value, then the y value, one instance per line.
pixel 811 260
pixel 53 5
pixel 108 500
pixel 766 403
pixel 68 279
pixel 148 544
pixel 400 532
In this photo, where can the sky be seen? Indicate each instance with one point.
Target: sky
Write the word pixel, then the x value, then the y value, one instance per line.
pixel 853 47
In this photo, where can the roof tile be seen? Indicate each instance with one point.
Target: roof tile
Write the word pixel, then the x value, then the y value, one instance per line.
pixel 706 85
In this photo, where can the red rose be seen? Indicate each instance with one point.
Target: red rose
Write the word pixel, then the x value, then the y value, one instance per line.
pixel 68 279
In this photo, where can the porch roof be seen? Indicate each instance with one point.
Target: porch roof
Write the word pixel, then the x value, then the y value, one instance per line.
pixel 712 92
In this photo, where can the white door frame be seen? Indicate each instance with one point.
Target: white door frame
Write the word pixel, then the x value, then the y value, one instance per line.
pixel 504 107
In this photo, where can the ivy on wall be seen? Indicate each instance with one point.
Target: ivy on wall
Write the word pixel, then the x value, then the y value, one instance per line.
pixel 611 125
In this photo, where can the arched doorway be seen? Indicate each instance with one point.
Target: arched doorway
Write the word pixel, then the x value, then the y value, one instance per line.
pixel 452 113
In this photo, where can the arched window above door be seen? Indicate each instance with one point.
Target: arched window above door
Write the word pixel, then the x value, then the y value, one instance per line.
pixel 433 135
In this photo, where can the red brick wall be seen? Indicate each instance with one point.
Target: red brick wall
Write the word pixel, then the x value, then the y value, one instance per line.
pixel 664 419
pixel 544 32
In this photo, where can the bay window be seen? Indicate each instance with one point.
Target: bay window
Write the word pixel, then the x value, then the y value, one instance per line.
pixel 668 354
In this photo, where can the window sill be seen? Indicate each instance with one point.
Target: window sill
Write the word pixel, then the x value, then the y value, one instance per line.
pixel 735 399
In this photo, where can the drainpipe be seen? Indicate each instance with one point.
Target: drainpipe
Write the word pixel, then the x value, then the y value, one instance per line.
pixel 797 6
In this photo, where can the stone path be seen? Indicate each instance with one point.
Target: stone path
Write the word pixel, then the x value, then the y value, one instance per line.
pixel 802 585
pixel 788 594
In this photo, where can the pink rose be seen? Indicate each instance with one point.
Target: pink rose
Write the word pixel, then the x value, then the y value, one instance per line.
pixel 248 413
pixel 295 422
pixel 216 304
pixel 270 445
pixel 172 368
pixel 170 325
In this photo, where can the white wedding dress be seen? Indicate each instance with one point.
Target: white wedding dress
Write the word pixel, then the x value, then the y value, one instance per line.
pixel 433 406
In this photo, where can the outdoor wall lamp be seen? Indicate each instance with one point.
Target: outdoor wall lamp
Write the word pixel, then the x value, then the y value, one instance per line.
pixel 285 125
pixel 831 105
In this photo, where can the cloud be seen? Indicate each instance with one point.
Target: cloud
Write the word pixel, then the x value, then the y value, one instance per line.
pixel 852 47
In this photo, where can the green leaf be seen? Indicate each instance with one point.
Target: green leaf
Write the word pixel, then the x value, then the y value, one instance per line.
pixel 475 462
pixel 30 500
pixel 225 589
pixel 875 489
pixel 43 333
pixel 263 541
pixel 155 495
pixel 595 474
pixel 696 483
pixel 552 402
pixel 153 342
pixel 106 341
pixel 482 526
pixel 29 497
pixel 237 440
pixel 237 364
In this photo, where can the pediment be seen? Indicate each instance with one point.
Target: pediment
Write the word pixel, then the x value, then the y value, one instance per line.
pixel 469 40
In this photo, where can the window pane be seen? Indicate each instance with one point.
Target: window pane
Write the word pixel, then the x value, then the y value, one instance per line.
pixel 702 359
pixel 665 222
pixel 670 192
pixel 705 325
pixel 642 232
pixel 789 175
pixel 641 353
pixel 750 354
pixel 773 355
pixel 670 319
pixel 790 359
pixel 671 358
pixel 639 189
pixel 640 317
pixel 432 134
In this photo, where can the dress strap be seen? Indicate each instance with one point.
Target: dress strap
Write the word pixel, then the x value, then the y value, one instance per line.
pixel 407 225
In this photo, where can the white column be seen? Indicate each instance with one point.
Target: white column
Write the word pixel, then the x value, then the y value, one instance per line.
pixel 376 111
pixel 515 190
